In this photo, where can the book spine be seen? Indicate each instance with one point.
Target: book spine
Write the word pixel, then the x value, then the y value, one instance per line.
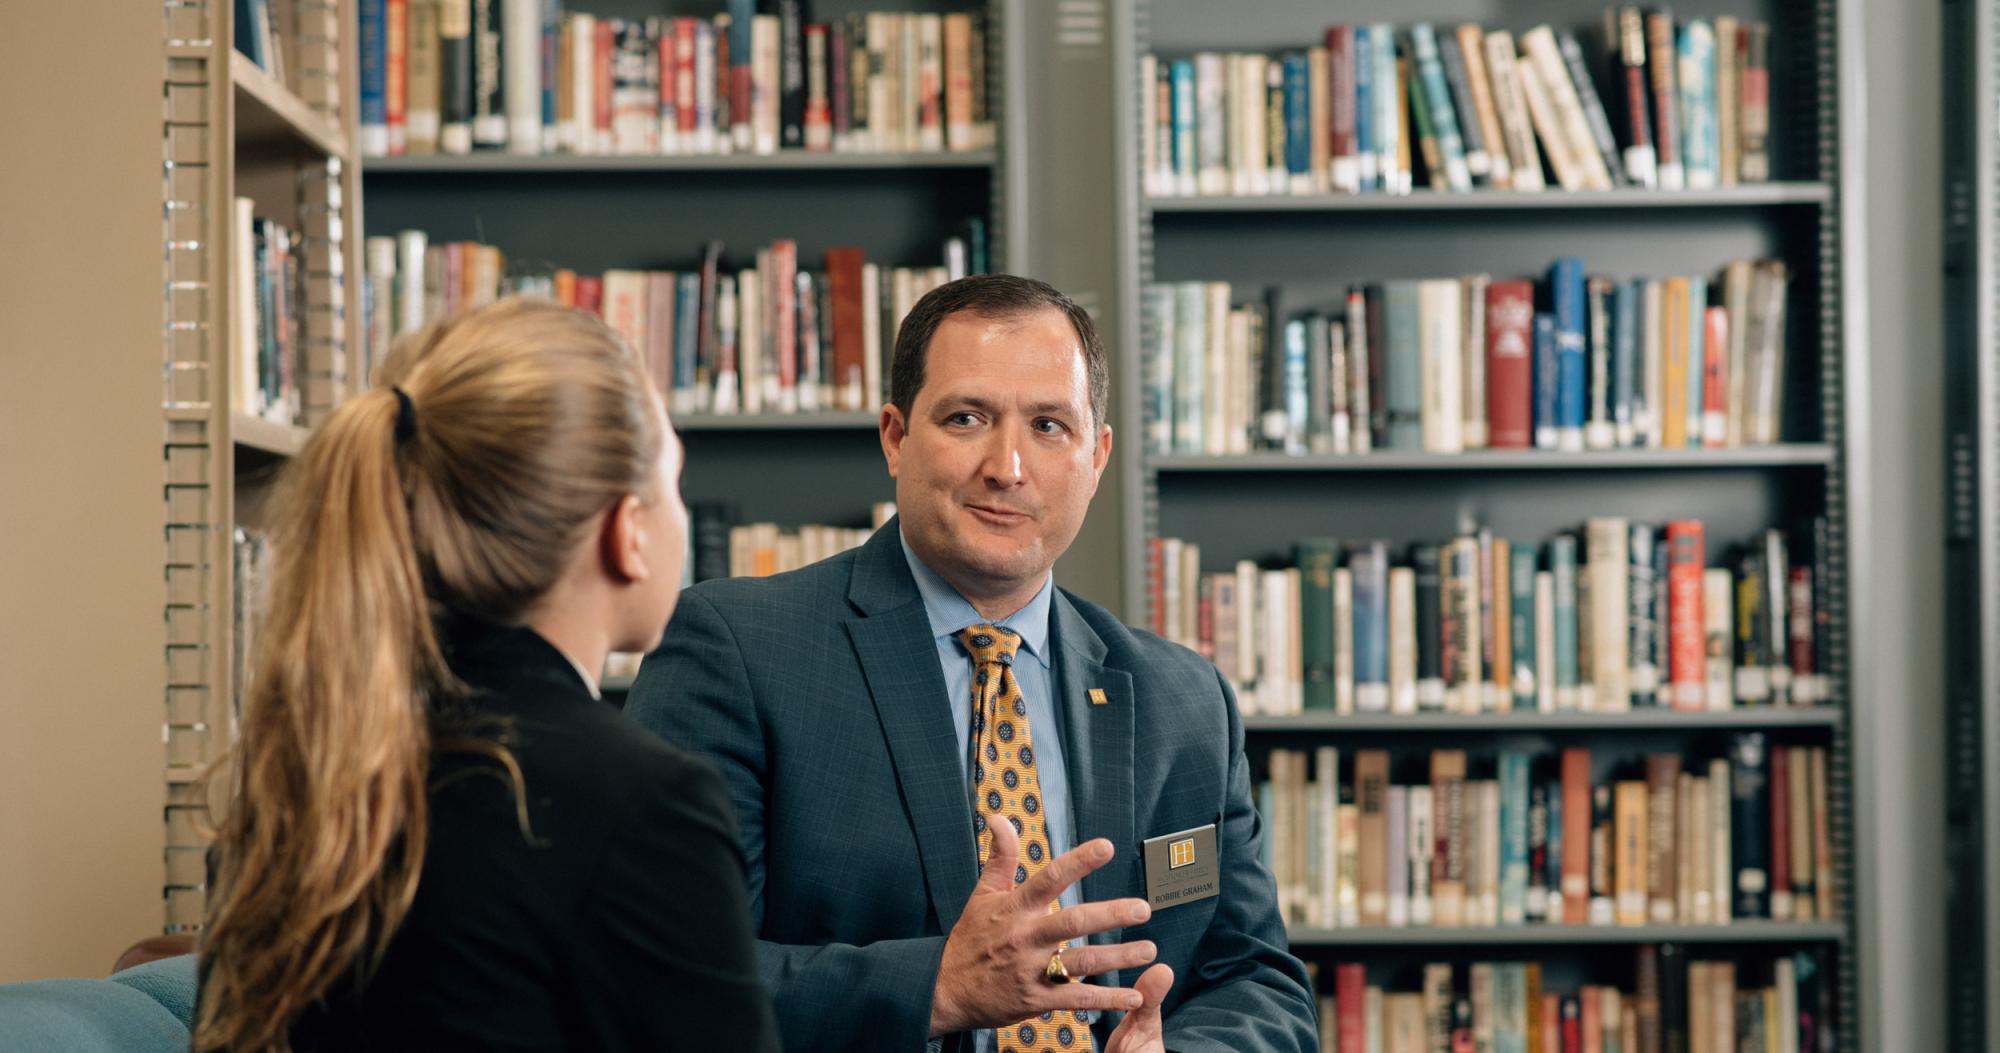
pixel 1369 565
pixel 1599 431
pixel 1367 150
pixel 1779 823
pixel 1598 122
pixel 1699 145
pixel 1437 96
pixel 1535 903
pixel 374 50
pixel 1662 838
pixel 1576 822
pixel 1523 632
pixel 1343 641
pixel 1371 786
pixel 1345 163
pixel 1566 292
pixel 520 73
pixel 1425 562
pixel 1749 817
pixel 1391 141
pixel 1563 565
pixel 1458 77
pixel 1625 352
pixel 1754 88
pixel 1510 104
pixel 1662 65
pixel 1513 838
pixel 1316 560
pixel 1714 377
pixel 1644 677
pixel 1641 160
pixel 1298 133
pixel 489 103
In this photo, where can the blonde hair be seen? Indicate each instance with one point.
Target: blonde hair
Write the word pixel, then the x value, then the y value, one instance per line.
pixel 529 420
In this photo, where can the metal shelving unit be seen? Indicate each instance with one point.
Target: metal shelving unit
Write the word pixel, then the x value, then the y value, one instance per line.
pixel 231 130
pixel 1254 506
pixel 787 160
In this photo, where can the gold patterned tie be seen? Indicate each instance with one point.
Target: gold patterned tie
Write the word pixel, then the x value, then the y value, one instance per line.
pixel 1007 787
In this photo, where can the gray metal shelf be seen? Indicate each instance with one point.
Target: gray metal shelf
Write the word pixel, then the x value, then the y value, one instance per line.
pixel 1759 718
pixel 841 421
pixel 1814 455
pixel 1783 932
pixel 787 161
pixel 1747 196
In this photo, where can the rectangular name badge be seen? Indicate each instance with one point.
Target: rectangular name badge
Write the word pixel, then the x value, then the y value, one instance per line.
pixel 1182 868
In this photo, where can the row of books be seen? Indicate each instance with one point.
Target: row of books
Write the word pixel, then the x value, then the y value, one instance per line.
pixel 772 337
pixel 1618 617
pixel 1537 841
pixel 1377 109
pixel 1584 362
pixel 719 545
pixel 1780 1004
pixel 527 77
pixel 267 352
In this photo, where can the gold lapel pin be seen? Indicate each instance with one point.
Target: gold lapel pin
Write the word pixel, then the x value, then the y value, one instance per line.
pixel 1097 697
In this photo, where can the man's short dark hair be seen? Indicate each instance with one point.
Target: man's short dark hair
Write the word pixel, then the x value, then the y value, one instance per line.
pixel 999 296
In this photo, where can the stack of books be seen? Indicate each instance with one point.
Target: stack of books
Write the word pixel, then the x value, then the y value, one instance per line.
pixel 1380 109
pixel 1621 616
pixel 773 337
pixel 1544 841
pixel 1584 362
pixel 526 77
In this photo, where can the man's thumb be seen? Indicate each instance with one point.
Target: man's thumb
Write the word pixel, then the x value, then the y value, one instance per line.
pixel 1002 855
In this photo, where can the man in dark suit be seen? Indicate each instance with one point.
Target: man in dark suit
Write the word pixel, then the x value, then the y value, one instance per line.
pixel 916 734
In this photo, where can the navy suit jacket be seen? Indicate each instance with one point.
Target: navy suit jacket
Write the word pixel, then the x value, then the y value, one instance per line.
pixel 818 695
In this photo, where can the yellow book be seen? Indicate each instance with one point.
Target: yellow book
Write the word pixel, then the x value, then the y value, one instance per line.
pixel 1674 365
pixel 1629 832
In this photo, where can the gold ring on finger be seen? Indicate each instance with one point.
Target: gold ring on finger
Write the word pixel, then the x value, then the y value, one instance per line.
pixel 1057 972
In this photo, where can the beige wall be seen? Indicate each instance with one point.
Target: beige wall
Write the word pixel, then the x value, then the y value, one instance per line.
pixel 80 474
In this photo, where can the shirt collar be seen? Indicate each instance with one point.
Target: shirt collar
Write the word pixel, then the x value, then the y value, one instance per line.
pixel 950 612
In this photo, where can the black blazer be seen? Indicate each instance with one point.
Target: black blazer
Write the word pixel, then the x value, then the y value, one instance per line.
pixel 623 925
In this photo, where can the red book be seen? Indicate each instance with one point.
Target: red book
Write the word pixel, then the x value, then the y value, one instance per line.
pixel 1715 377
pixel 819 89
pixel 843 280
pixel 1576 835
pixel 684 102
pixel 1801 616
pixel 455 299
pixel 1687 657
pixel 1350 987
pixel 1780 843
pixel 785 282
pixel 667 77
pixel 396 70
pixel 1510 322
pixel 590 294
pixel 1572 1025
pixel 600 96
pixel 1340 110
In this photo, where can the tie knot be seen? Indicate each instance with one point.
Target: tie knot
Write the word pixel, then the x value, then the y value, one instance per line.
pixel 990 643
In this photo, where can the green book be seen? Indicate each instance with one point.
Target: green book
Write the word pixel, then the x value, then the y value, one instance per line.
pixel 1317 558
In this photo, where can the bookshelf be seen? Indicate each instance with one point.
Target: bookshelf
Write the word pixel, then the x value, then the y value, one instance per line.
pixel 595 212
pixel 1254 506
pixel 288 144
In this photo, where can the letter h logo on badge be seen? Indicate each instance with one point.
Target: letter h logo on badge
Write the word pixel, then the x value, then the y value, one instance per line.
pixel 1180 853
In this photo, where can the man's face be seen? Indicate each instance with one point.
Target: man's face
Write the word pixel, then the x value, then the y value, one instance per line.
pixel 1000 456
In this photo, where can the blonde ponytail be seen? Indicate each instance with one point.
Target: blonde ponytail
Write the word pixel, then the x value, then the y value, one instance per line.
pixel 529 420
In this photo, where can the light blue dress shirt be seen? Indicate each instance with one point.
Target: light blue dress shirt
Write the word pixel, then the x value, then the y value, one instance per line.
pixel 949 612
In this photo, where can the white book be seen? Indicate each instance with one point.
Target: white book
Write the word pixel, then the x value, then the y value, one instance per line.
pixel 1512 106
pixel 1348 895
pixel 727 314
pixel 750 338
pixel 1388 110
pixel 1438 328
pixel 1472 351
pixel 1343 641
pixel 1170 587
pixel 1215 392
pixel 1721 871
pixel 1397 811
pixel 1247 605
pixel 1150 146
pixel 1402 640
pixel 1239 398
pixel 1489 861
pixel 1326 791
pixel 1422 846
pixel 704 139
pixel 582 130
pixel 1701 843
pixel 1539 45
pixel 1548 125
pixel 381 253
pixel 1211 73
pixel 1278 609
pixel 625 311
pixel 1718 607
pixel 764 83
pixel 521 66
pixel 872 394
pixel 1785 977
pixel 1649 416
pixel 1608 548
pixel 410 249
pixel 249 394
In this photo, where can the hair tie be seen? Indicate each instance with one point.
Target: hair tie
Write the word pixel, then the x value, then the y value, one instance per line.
pixel 406 415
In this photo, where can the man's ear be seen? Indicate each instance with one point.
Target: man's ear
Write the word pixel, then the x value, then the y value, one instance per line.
pixel 1101 456
pixel 893 429
pixel 622 542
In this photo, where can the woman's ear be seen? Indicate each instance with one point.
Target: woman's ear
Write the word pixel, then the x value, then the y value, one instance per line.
pixel 624 542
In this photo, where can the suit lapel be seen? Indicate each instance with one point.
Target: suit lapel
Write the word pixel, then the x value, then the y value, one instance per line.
pixel 893 643
pixel 1099 742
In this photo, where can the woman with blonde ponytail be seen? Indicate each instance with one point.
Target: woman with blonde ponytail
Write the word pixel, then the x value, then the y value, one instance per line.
pixel 436 838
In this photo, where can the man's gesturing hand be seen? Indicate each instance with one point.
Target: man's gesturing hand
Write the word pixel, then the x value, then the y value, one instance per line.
pixel 1143 1031
pixel 992 972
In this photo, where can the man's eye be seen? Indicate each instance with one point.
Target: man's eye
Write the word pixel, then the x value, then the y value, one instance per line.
pixel 1048 425
pixel 961 418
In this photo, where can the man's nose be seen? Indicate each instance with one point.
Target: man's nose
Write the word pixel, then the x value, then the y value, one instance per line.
pixel 1001 464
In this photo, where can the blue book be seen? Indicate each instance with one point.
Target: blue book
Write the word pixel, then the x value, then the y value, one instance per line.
pixel 1437 101
pixel 1701 138
pixel 1697 369
pixel 1158 392
pixel 1403 364
pixel 1368 565
pixel 1298 123
pixel 1562 564
pixel 1513 837
pixel 1185 162
pixel 1566 299
pixel 1364 107
pixel 551 35
pixel 1546 381
pixel 687 333
pixel 1552 864
pixel 1625 388
pixel 1190 364
pixel 1521 618
pixel 374 78
pixel 1295 386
